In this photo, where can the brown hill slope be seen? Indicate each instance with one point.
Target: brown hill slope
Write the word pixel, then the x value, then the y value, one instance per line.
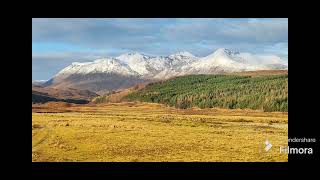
pixel 47 94
pixel 260 73
pixel 117 96
pixel 67 93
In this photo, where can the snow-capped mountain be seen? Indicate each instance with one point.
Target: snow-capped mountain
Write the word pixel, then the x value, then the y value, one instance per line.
pixel 223 60
pixel 105 65
pixel 180 59
pixel 146 66
pixel 130 68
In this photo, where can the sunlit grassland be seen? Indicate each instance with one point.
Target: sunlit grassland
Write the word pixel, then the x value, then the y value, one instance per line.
pixel 152 132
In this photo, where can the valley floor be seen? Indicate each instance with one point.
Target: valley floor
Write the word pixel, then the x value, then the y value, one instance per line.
pixel 133 132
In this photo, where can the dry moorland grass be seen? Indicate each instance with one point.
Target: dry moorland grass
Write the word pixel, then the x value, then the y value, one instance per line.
pixel 260 73
pixel 152 132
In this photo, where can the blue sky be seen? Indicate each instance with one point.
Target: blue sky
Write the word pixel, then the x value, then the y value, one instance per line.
pixel 57 43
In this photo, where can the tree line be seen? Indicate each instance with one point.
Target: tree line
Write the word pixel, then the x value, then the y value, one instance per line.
pixel 267 93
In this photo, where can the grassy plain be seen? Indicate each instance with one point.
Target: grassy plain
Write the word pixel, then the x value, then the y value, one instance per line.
pixel 135 132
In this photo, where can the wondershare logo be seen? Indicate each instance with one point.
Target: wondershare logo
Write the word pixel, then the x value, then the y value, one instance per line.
pixel 268 146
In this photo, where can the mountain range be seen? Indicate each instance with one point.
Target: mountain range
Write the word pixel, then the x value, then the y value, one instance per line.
pixel 114 73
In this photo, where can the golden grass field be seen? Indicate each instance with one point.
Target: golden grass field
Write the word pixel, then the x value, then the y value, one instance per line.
pixel 139 132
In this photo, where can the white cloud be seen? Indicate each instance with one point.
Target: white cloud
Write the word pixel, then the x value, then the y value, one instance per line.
pixel 109 37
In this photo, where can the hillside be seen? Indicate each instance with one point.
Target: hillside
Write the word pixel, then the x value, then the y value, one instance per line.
pixel 43 98
pixel 117 96
pixel 46 94
pixel 260 92
pixel 259 73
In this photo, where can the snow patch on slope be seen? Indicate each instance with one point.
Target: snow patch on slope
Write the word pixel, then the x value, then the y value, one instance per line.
pixel 105 65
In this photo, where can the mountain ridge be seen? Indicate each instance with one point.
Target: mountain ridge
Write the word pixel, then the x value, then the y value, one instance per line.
pixel 135 67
